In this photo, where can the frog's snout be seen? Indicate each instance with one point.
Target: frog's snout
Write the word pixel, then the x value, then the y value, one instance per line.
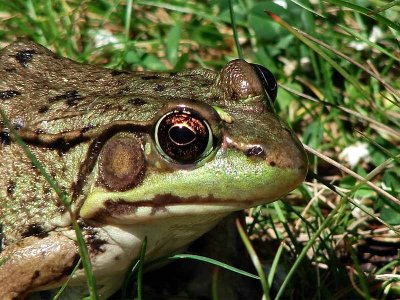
pixel 293 157
pixel 267 146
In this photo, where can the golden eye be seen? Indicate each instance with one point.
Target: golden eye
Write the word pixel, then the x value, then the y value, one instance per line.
pixel 183 136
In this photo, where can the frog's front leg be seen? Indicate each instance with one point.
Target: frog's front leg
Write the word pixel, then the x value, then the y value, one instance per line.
pixel 34 263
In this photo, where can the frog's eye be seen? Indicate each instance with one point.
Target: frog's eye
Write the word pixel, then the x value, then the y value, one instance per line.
pixel 268 81
pixel 182 136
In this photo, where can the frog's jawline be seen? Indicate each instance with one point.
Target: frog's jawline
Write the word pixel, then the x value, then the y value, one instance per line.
pixel 159 203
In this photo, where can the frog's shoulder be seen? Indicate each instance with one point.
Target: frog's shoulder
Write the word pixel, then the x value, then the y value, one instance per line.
pixel 26 60
pixel 24 44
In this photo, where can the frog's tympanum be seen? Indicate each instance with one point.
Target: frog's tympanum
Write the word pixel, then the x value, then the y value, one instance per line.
pixel 140 154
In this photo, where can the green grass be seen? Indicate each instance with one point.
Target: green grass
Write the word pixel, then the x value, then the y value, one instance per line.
pixel 333 95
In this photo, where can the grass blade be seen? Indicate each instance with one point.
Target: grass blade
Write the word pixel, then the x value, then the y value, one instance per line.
pixel 386 6
pixel 367 12
pixel 321 53
pixel 307 8
pixel 63 287
pixel 256 262
pixel 213 262
pixel 235 32
pixel 140 270
pixel 368 42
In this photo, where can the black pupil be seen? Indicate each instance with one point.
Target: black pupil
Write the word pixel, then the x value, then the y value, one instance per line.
pixel 183 136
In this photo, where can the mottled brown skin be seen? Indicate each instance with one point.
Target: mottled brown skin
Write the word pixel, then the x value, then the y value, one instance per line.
pixel 68 113
pixel 51 95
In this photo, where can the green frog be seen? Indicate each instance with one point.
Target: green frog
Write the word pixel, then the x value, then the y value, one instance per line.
pixel 162 156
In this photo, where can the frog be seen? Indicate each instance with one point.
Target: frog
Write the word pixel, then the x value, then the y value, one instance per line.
pixel 143 155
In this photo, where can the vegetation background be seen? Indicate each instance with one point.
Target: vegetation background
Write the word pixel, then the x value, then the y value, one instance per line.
pixel 337 64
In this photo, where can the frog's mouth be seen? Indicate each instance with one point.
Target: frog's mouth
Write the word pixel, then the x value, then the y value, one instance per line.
pixel 219 187
pixel 166 206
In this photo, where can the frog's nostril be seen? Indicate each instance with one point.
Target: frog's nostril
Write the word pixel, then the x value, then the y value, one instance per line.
pixel 257 151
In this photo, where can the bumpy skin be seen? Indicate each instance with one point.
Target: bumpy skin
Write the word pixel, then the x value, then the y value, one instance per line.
pixel 93 129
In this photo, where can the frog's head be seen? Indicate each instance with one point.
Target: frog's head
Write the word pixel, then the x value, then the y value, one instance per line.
pixel 213 150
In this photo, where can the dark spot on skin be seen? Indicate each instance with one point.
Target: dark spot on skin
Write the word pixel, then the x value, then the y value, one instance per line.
pixel 35 230
pixel 157 209
pixel 136 101
pixel 234 95
pixel 46 190
pixel 159 88
pixel 61 145
pixel 10 70
pixel 118 72
pixel 10 188
pixel 87 128
pixel 43 109
pixel 150 77
pixel 95 244
pixel 92 238
pixel 112 208
pixel 5 138
pixel 17 125
pixel 85 226
pixel 4 95
pixel 272 163
pixel 35 275
pixel 71 98
pixel 117 258
pixel 256 151
pixel 24 56
pixel 124 90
